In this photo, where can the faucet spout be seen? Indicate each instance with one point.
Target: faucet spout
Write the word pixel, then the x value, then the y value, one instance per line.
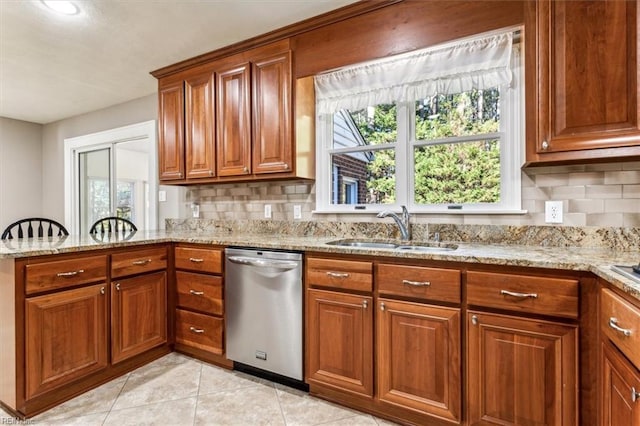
pixel 403 223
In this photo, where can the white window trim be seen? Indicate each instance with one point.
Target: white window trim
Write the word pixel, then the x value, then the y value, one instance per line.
pixel 512 129
pixel 72 146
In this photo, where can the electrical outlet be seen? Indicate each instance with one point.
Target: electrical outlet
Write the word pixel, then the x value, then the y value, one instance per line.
pixel 553 211
pixel 162 196
pixel 267 211
pixel 297 212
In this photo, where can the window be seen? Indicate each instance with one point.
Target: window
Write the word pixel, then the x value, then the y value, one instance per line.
pixel 445 140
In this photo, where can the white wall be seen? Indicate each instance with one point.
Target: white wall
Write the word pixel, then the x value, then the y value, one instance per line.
pixel 54 134
pixel 20 171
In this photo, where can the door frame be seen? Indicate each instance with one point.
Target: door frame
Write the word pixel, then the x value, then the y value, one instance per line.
pixel 143 130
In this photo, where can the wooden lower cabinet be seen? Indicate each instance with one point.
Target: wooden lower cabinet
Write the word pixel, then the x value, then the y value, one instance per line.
pixel 138 315
pixel 521 371
pixel 620 389
pixel 339 333
pixel 418 358
pixel 66 337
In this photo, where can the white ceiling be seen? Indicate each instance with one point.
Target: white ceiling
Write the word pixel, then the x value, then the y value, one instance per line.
pixel 54 66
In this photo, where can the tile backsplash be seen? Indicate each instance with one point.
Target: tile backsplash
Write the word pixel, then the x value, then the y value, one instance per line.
pixel 601 195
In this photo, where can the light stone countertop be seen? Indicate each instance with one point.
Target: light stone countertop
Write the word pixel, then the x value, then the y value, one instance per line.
pixel 595 260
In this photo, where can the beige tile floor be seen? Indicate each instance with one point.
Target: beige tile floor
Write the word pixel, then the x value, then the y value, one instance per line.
pixel 178 390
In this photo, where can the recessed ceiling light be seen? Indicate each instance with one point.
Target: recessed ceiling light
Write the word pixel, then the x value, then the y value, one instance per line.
pixel 62 6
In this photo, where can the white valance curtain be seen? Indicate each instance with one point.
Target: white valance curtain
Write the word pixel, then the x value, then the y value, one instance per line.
pixel 479 63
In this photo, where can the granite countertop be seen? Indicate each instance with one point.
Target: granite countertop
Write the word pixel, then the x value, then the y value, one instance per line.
pixel 595 260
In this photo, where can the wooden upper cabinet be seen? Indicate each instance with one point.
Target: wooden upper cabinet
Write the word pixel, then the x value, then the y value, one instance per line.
pixel 233 115
pixel 272 140
pixel 521 371
pixel 200 125
pixel 587 81
pixel 171 130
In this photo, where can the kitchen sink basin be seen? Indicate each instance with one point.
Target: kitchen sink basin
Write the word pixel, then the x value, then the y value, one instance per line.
pixel 374 244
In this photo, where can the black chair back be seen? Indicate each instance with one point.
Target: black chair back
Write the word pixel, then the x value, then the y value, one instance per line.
pixel 112 225
pixel 34 226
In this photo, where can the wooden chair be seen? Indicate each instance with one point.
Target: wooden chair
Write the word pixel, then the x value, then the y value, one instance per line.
pixel 113 225
pixel 24 228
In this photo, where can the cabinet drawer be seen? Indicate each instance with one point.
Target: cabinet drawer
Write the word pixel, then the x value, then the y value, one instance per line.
pixel 199 259
pixel 345 274
pixel 199 331
pixel 65 273
pixel 138 261
pixel 200 292
pixel 539 295
pixel 419 282
pixel 620 322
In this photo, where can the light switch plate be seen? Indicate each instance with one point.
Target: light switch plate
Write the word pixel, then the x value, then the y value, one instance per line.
pixel 162 196
pixel 267 211
pixel 553 211
pixel 297 212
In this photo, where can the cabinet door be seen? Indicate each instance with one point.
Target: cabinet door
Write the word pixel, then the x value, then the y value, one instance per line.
pixel 171 130
pixel 233 116
pixel 588 76
pixel 340 341
pixel 521 371
pixel 138 315
pixel 418 363
pixel 66 337
pixel 620 389
pixel 272 141
pixel 200 126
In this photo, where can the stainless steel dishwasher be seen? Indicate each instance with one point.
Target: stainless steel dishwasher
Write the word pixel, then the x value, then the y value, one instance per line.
pixel 263 303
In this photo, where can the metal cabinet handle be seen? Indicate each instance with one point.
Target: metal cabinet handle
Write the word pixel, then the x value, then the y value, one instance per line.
pixel 141 262
pixel 102 290
pixel 196 260
pixel 338 274
pixel 544 145
pixel 69 274
pixel 613 323
pixel 520 295
pixel 365 304
pixel 196 293
pixel 285 166
pixel 118 286
pixel 417 283
pixel 635 395
pixel 382 306
pixel 210 172
pixel 245 169
pixel 196 330
pixel 474 319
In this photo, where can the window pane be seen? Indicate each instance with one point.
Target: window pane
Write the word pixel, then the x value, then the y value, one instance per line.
pixel 94 172
pixel 374 125
pixel 458 173
pixel 363 177
pixel 468 113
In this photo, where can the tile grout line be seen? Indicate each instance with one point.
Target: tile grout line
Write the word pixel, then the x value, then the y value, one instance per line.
pixel 284 418
pixel 195 409
pixel 115 399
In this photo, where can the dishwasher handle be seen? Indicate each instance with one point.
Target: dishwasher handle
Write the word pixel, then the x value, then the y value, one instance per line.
pixel 263 263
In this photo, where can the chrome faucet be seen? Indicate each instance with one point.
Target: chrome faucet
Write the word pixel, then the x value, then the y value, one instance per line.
pixel 403 224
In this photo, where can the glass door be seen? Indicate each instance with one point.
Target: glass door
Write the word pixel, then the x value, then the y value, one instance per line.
pixel 94 172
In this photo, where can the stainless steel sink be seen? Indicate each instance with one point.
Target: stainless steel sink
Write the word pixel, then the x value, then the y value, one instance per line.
pixel 363 244
pixel 415 246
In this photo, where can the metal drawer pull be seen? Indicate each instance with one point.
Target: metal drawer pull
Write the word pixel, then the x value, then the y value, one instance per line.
pixel 635 395
pixel 196 293
pixel 196 330
pixel 69 274
pixel 338 274
pixel 141 262
pixel 196 260
pixel 521 295
pixel 613 323
pixel 417 283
